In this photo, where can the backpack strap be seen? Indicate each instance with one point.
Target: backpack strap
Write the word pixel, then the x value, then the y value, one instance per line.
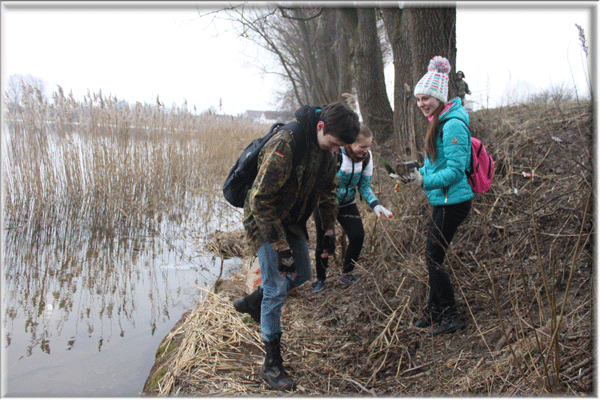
pixel 299 144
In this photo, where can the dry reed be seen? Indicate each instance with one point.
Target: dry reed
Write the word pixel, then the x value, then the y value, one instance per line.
pixel 109 163
pixel 228 244
pixel 522 269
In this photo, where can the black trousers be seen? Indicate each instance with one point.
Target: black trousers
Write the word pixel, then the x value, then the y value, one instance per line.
pixel 440 231
pixel 351 222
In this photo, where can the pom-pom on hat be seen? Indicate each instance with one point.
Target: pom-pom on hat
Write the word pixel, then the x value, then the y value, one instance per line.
pixel 435 82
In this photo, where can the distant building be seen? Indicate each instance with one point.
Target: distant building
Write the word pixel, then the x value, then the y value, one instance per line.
pixel 224 116
pixel 253 115
pixel 268 117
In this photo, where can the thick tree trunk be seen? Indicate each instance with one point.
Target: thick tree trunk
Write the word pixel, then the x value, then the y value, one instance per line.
pixel 372 96
pixel 417 35
pixel 325 52
pixel 326 58
pixel 347 33
pixel 313 85
pixel 327 55
pixel 404 111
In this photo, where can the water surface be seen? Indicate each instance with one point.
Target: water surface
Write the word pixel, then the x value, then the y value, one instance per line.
pixel 85 308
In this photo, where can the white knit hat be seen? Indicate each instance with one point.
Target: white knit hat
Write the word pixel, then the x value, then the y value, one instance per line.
pixel 435 82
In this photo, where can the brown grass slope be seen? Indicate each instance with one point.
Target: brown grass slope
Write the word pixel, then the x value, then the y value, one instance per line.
pixel 522 269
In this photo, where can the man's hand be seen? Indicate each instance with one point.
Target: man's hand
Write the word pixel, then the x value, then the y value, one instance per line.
pixel 328 245
pixel 286 264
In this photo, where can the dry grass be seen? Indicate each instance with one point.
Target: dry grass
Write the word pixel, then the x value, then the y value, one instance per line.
pixel 228 244
pixel 213 338
pixel 522 262
pixel 109 163
pixel 522 268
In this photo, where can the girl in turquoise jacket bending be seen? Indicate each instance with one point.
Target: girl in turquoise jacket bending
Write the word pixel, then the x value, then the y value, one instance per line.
pixel 355 169
pixel 443 178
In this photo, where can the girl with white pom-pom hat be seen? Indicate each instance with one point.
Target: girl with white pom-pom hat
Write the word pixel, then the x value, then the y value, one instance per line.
pixel 443 178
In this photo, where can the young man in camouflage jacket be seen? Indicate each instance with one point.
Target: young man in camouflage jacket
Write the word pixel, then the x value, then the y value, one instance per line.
pixel 275 214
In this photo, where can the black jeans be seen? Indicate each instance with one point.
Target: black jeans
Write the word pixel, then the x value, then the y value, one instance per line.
pixel 349 219
pixel 440 231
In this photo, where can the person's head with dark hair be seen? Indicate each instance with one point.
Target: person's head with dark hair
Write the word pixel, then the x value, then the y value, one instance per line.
pixel 338 126
pixel 359 150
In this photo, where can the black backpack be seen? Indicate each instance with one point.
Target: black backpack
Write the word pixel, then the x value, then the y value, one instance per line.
pixel 244 171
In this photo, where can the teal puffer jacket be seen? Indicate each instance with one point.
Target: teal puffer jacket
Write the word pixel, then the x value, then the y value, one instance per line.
pixel 445 181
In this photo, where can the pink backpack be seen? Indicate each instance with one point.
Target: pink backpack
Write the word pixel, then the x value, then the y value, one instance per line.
pixel 482 167
pixel 481 172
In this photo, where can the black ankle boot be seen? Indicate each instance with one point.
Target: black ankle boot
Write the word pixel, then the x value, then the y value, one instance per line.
pixel 250 304
pixel 431 316
pixel 449 323
pixel 272 370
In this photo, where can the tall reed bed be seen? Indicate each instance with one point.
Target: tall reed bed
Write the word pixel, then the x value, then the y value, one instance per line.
pixel 87 185
pixel 107 162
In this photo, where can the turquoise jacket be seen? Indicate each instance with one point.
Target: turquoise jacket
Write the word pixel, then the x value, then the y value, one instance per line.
pixel 352 177
pixel 445 181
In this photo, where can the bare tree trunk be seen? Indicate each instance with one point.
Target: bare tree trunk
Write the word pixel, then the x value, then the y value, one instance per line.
pixel 404 110
pixel 324 52
pixel 433 33
pixel 327 54
pixel 347 34
pixel 417 35
pixel 372 96
pixel 308 54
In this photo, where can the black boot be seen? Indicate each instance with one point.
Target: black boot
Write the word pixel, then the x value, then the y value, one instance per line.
pixel 272 370
pixel 449 323
pixel 431 316
pixel 250 304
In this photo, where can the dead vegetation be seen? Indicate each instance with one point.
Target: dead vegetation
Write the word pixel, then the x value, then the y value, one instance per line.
pixel 110 163
pixel 522 268
pixel 228 244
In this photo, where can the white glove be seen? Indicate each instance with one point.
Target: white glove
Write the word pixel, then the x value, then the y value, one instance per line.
pixel 416 183
pixel 379 209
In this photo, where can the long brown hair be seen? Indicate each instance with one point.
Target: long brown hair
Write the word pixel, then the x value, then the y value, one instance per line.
pixel 431 137
pixel 367 133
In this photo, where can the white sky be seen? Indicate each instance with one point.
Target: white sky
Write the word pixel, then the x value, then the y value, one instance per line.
pixel 138 50
pixel 507 52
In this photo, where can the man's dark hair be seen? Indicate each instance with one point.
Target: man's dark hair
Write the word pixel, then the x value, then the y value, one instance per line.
pixel 340 121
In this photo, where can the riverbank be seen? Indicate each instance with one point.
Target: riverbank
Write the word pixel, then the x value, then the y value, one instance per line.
pixel 169 347
pixel 522 268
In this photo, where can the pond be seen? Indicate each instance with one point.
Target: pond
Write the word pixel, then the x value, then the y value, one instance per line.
pixel 84 310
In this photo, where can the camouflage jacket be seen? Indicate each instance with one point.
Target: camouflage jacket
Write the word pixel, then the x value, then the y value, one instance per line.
pixel 462 87
pixel 277 202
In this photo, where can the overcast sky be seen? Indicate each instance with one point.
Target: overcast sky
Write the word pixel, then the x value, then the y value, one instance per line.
pixel 138 50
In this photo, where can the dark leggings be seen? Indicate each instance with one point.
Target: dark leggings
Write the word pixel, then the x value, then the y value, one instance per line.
pixel 440 231
pixel 349 219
